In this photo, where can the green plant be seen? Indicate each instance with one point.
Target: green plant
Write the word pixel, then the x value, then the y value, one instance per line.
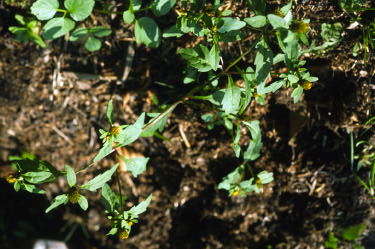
pixel 364 158
pixel 210 80
pixel 346 236
pixel 29 31
pixel 366 23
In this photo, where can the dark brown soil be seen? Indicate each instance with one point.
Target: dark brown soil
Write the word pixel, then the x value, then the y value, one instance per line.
pixel 52 104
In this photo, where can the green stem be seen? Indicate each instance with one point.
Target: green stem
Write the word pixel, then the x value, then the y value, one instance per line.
pixel 119 190
pixel 242 55
pixel 109 12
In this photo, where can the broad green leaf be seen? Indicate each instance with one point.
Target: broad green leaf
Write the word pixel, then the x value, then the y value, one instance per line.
pixel 232 98
pixel 275 86
pixel 141 207
pixel 277 22
pixel 197 57
pixel 214 57
pixel 92 44
pixel 32 189
pixel 263 62
pixel 82 201
pixel 130 133
pixel 231 178
pixel 172 32
pixel 256 21
pixel 37 171
pixel 248 186
pixel 79 9
pixel 353 232
pixel 128 16
pixel 209 117
pixel 162 7
pixel 109 198
pixel 230 24
pixel 135 165
pixel 100 31
pixel 17 186
pixel 158 122
pixel 57 27
pixel 296 94
pixel 105 151
pixel 44 9
pixel 99 180
pixel 78 34
pixel 59 200
pixel 147 31
pixel 71 176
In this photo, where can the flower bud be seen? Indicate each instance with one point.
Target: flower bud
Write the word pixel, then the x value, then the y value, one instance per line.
pixel 306 85
pixel 73 195
pixel 114 130
pixel 123 234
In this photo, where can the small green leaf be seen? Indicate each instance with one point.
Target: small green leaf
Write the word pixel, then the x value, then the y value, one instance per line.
pixel 128 16
pixel 158 122
pixel 296 94
pixel 135 165
pixel 331 242
pixel 79 9
pixel 147 31
pixel 172 32
pixel 57 27
pixel 110 112
pixel 136 4
pixel 214 57
pixel 99 180
pixel 232 36
pixel 17 186
pixel 59 200
pixel 353 232
pixel 78 34
pixel 44 9
pixel 263 62
pixel 92 44
pixel 277 22
pixel 71 176
pixel 236 146
pixel 231 178
pixel 198 57
pixel 130 133
pixel 232 97
pixel 113 231
pixel 109 198
pixel 141 207
pixel 292 78
pixel 100 31
pixel 162 7
pixel 230 24
pixel 83 203
pixel 209 117
pixel 256 21
pixel 253 151
pixel 32 189
pixel 104 151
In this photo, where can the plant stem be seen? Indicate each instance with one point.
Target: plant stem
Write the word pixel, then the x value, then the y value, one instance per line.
pixel 109 12
pixel 119 190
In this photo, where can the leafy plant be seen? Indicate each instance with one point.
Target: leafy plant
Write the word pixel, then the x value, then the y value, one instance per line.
pixel 213 83
pixel 28 32
pixel 346 236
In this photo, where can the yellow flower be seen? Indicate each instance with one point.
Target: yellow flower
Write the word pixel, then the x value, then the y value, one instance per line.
pixel 123 234
pixel 306 85
pixel 300 27
pixel 73 195
pixel 12 178
pixel 256 95
pixel 235 193
pixel 259 183
pixel 214 29
pixel 130 223
pixel 114 130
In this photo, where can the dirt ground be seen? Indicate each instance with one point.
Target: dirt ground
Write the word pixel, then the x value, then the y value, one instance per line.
pixel 53 102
